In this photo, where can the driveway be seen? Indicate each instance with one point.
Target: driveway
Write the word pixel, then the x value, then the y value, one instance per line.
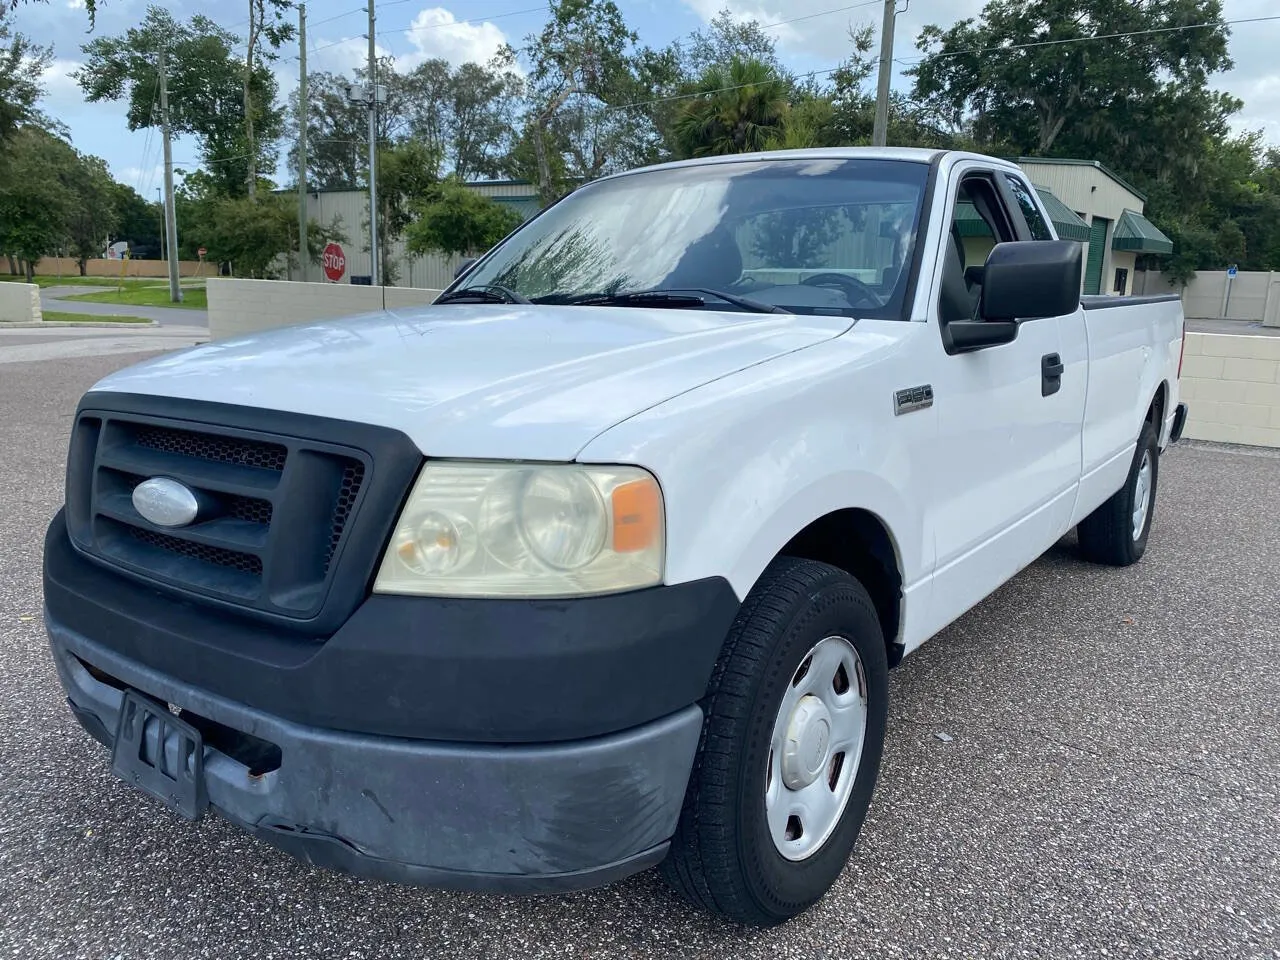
pixel 51 299
pixel 1086 765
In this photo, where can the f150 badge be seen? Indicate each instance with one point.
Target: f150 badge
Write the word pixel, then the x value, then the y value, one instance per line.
pixel 912 399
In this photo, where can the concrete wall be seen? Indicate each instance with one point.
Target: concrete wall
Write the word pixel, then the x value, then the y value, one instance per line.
pixel 67 267
pixel 19 303
pixel 246 306
pixel 1231 385
pixel 1255 296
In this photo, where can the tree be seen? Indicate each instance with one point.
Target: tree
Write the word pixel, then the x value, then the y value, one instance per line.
pixel 483 104
pixel 139 221
pixel 1030 76
pixel 205 95
pixel 725 39
pixel 36 198
pixel 738 109
pixel 22 64
pixel 406 176
pixel 94 214
pixel 266 22
pixel 257 237
pixel 582 82
pixel 458 220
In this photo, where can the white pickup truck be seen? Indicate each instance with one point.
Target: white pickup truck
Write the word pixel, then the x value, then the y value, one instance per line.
pixel 602 560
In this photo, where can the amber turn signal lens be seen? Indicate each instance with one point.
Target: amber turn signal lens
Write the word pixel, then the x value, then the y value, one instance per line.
pixel 637 515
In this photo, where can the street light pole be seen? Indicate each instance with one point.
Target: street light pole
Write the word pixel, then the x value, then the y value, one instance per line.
pixel 164 244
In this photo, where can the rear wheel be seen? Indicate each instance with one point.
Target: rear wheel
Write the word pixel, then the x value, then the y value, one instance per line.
pixel 1116 533
pixel 790 748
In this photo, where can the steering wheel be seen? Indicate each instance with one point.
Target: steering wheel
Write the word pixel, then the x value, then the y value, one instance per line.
pixel 853 288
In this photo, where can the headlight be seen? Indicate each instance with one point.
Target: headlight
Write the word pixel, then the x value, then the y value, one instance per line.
pixel 517 530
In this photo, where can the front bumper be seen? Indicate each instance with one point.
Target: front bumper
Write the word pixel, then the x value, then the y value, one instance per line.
pixel 492 745
pixel 467 816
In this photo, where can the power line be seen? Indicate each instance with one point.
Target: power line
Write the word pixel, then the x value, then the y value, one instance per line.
pixel 814 16
pixel 1107 36
pixel 410 28
pixel 827 72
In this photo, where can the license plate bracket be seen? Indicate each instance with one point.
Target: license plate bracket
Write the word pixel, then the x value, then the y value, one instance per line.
pixel 160 754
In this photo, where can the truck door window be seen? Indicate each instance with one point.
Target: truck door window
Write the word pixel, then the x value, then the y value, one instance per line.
pixel 1036 224
pixel 978 223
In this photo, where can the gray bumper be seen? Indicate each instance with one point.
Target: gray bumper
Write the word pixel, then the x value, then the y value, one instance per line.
pixel 481 817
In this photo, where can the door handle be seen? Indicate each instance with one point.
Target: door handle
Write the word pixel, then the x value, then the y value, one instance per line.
pixel 1051 370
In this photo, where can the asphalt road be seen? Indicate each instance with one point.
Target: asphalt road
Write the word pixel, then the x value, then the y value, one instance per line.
pixel 50 299
pixel 1111 787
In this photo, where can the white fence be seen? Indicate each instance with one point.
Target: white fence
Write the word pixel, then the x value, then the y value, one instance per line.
pixel 1231 386
pixel 246 306
pixel 19 303
pixel 1252 296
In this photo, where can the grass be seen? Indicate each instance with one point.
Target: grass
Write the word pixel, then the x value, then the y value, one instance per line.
pixel 78 281
pixel 57 316
pixel 153 295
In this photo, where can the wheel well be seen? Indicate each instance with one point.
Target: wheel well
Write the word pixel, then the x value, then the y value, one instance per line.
pixel 858 543
pixel 1159 404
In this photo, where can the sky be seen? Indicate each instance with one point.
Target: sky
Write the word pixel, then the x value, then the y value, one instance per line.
pixel 812 36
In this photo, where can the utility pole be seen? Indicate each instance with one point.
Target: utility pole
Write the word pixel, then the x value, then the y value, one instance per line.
pixel 303 116
pixel 880 133
pixel 170 216
pixel 373 153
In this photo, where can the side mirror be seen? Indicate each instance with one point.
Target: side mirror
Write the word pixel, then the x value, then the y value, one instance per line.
pixel 464 266
pixel 1031 280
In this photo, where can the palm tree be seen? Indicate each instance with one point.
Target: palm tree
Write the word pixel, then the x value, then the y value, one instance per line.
pixel 739 109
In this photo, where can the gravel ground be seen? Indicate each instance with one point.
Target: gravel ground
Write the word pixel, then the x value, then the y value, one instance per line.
pixel 1111 788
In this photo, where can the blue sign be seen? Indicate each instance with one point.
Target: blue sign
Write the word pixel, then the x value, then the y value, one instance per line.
pixel 1232 271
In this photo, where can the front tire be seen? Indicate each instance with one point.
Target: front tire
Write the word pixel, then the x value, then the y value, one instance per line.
pixel 1116 533
pixel 790 748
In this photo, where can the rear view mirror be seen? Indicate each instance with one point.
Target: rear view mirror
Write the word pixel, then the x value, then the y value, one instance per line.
pixel 1031 280
pixel 464 266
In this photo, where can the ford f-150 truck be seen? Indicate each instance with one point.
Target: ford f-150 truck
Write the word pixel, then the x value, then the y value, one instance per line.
pixel 601 561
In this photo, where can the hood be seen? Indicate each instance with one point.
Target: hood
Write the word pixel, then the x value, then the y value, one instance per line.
pixel 508 382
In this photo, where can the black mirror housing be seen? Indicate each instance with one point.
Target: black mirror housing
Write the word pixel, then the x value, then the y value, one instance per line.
pixel 464 266
pixel 1031 280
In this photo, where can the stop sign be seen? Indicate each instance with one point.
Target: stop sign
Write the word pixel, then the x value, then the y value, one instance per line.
pixel 335 263
pixel 201 252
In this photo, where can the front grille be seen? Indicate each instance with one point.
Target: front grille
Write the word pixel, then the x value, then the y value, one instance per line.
pixel 244 562
pixel 275 511
pixel 203 446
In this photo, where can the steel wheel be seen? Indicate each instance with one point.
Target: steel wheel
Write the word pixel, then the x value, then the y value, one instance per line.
pixel 1142 496
pixel 816 748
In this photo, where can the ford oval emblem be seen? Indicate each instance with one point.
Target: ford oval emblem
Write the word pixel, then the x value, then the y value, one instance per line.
pixel 165 502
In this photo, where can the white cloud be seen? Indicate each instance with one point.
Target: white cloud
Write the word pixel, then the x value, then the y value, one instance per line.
pixel 61 92
pixel 437 33
pixel 342 56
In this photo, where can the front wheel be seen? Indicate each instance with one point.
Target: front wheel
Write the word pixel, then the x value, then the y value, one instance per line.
pixel 1116 533
pixel 790 748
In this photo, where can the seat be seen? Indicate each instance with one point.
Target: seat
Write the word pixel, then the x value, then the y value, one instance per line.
pixel 957 299
pixel 713 261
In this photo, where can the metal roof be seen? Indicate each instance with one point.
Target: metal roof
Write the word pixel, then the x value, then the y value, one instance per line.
pixel 1135 232
pixel 1066 161
pixel 1065 220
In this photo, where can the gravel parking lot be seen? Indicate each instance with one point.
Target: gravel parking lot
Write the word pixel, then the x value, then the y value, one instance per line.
pixel 1087 765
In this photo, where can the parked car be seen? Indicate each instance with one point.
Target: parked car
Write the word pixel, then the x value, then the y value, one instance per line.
pixel 601 561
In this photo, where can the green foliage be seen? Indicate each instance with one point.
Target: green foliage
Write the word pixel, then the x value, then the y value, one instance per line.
pixel 37 198
pixel 22 63
pixel 95 214
pixel 259 238
pixel 585 72
pixel 739 108
pixel 206 90
pixel 454 219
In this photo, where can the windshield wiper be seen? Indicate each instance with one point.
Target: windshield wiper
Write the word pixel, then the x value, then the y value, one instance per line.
pixel 677 298
pixel 483 293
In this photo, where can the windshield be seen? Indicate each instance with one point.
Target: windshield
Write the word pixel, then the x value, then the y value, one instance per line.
pixel 827 236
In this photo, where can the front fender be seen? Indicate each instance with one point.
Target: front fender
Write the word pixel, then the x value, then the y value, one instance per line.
pixel 748 461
